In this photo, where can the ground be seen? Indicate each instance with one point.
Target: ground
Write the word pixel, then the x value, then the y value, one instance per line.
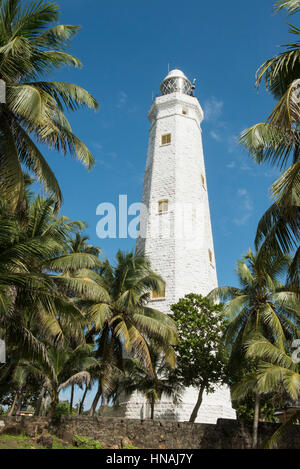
pixel 17 442
pixel 25 442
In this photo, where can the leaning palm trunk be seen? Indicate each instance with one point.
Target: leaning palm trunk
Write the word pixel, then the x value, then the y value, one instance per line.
pixel 102 406
pixel 256 421
pixel 71 399
pixel 96 400
pixel 80 410
pixel 40 401
pixel 45 405
pixel 16 399
pixel 198 404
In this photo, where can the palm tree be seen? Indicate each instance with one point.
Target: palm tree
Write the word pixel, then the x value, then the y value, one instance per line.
pixel 119 316
pixel 153 385
pixel 277 371
pixel 68 367
pixel 80 244
pixel 261 305
pixel 277 142
pixel 37 300
pixel 32 44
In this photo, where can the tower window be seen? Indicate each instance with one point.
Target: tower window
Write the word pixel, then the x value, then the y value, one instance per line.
pixel 165 139
pixel 163 206
pixel 203 180
pixel 162 294
pixel 185 112
pixel 210 255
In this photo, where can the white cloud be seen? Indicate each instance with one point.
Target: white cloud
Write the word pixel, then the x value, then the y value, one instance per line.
pixel 239 164
pixel 212 109
pixel 98 146
pixel 273 173
pixel 122 99
pixel 215 136
pixel 246 207
pixel 232 143
pixel 112 155
pixel 103 163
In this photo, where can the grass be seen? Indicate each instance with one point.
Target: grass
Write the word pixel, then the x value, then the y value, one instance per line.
pixel 17 442
pixel 25 442
pixel 83 442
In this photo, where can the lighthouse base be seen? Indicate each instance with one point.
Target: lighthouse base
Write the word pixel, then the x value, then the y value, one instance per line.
pixel 214 406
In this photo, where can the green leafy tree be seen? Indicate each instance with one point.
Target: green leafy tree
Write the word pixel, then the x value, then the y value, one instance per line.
pixel 201 357
pixel 32 45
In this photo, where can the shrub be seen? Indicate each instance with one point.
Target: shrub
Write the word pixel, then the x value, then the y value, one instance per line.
pixel 62 408
pixel 83 442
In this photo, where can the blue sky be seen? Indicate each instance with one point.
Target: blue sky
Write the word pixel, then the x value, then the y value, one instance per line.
pixel 125 48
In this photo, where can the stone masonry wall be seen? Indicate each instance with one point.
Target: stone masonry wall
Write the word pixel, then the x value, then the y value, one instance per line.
pixel 147 434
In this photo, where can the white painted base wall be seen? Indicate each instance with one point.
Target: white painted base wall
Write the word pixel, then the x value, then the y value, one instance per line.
pixel 214 406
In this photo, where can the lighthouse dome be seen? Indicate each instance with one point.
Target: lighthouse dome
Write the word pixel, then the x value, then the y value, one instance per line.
pixel 176 82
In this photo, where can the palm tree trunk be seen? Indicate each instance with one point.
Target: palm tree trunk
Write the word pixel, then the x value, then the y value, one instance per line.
pixel 53 404
pixel 80 409
pixel 102 405
pixel 12 409
pixel 71 399
pixel 40 401
pixel 152 404
pixel 20 400
pixel 95 401
pixel 45 405
pixel 198 404
pixel 256 420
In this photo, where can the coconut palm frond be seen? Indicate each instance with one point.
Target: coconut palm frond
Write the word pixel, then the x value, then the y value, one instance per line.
pixel 272 441
pixel 263 349
pixel 286 189
pixel 73 262
pixel 77 379
pixel 247 385
pixel 292 6
pixel 278 230
pixel 269 143
pixel 287 111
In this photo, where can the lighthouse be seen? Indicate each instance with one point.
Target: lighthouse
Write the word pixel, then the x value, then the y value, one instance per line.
pixel 175 228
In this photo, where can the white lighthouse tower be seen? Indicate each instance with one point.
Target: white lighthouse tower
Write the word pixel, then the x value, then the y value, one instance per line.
pixel 175 231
